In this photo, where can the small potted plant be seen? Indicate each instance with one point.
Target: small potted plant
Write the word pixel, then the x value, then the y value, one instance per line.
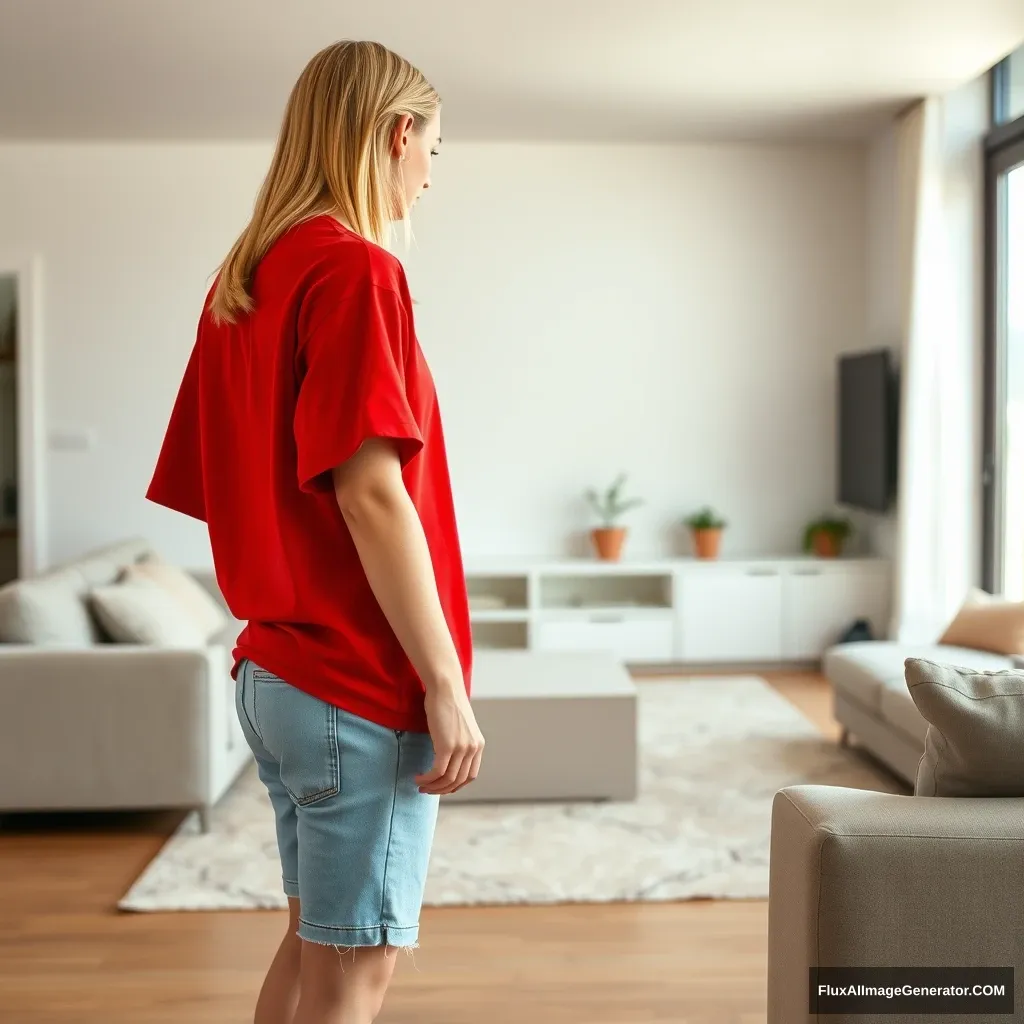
pixel 609 537
pixel 825 536
pixel 706 527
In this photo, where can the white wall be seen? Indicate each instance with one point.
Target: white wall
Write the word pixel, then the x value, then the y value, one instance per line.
pixel 672 312
pixel 127 236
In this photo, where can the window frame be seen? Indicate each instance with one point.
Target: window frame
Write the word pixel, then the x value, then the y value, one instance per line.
pixel 1004 150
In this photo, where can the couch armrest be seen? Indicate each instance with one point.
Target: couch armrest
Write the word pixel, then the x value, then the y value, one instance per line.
pixel 108 726
pixel 862 879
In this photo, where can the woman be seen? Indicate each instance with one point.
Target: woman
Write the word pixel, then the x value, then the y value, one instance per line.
pixel 306 435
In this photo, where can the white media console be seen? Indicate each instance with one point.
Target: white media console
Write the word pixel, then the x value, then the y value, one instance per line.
pixel 682 610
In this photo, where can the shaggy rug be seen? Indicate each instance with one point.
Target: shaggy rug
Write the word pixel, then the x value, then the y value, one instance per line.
pixel 713 753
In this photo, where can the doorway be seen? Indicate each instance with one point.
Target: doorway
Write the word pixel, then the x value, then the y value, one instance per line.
pixel 22 527
pixel 9 555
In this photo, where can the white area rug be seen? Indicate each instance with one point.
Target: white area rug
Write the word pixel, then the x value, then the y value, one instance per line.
pixel 713 754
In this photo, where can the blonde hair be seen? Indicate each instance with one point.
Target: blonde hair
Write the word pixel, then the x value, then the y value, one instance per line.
pixel 333 154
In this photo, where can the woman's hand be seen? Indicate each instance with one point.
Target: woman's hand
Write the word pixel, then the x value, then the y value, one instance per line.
pixel 458 742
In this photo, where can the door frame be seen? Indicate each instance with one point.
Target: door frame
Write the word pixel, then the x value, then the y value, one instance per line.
pixel 32 533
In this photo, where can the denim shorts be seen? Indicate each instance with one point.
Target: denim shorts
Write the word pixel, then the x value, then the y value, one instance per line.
pixel 353 830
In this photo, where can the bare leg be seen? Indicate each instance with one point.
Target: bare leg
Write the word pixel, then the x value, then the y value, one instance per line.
pixel 343 985
pixel 280 992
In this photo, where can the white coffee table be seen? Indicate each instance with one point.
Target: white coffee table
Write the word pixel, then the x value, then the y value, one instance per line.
pixel 558 726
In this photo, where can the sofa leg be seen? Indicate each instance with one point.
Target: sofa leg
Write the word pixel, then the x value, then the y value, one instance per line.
pixel 204 817
pixel 844 737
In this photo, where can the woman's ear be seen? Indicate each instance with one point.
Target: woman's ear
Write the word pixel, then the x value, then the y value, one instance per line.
pixel 400 139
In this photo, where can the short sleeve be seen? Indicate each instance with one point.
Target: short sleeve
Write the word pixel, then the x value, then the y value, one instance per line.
pixel 352 383
pixel 177 481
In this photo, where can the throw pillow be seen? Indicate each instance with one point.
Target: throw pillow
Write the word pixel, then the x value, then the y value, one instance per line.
pixel 142 612
pixel 191 595
pixel 975 728
pixel 49 610
pixel 987 623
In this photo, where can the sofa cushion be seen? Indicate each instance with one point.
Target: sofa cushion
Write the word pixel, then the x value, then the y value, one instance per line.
pixel 47 610
pixel 143 612
pixel 976 724
pixel 861 670
pixel 194 598
pixel 96 571
pixel 898 709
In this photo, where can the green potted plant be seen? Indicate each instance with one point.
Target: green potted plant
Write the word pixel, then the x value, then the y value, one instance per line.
pixel 609 506
pixel 706 527
pixel 825 536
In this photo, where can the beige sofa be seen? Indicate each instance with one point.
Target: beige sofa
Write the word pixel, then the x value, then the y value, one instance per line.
pixel 871 701
pixel 88 724
pixel 862 879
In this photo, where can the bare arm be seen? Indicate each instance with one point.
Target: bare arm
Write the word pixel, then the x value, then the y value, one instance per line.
pixel 392 547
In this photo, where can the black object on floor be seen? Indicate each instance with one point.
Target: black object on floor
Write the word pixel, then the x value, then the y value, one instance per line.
pixel 857 632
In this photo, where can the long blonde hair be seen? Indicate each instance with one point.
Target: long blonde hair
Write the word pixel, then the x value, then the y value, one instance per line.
pixel 333 154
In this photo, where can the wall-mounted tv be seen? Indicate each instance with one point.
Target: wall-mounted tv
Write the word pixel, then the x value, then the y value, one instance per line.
pixel 867 428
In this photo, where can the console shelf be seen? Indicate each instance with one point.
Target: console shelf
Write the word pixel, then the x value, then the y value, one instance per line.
pixel 787 609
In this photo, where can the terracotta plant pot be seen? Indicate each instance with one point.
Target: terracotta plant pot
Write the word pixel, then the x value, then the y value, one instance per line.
pixel 608 541
pixel 826 545
pixel 707 542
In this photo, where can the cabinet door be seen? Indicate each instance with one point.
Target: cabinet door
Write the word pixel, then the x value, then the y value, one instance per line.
pixel 821 602
pixel 632 640
pixel 731 614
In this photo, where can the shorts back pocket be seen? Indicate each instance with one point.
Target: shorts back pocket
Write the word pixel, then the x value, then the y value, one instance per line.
pixel 301 732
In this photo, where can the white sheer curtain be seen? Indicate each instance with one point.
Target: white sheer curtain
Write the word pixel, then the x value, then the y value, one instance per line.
pixel 940 209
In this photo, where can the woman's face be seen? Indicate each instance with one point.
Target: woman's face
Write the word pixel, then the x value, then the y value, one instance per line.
pixel 414 151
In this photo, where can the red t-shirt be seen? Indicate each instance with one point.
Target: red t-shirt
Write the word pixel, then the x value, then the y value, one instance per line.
pixel 267 408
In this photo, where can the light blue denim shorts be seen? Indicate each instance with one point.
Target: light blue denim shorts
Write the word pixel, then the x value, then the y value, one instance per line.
pixel 353 830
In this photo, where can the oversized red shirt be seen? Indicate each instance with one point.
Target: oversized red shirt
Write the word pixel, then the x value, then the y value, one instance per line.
pixel 267 408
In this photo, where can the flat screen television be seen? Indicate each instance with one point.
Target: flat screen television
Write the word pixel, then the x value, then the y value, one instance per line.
pixel 867 431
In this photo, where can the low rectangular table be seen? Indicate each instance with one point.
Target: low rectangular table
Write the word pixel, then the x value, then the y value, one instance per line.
pixel 557 726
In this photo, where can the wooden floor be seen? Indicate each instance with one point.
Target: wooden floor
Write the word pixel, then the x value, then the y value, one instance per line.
pixel 67 957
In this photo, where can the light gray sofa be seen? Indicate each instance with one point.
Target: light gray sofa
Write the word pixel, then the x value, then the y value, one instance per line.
pixel 882 880
pixel 859 879
pixel 871 701
pixel 89 725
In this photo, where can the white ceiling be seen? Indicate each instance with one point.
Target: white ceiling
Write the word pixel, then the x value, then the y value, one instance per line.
pixel 658 70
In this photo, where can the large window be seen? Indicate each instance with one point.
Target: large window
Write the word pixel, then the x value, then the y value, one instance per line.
pixel 1003 561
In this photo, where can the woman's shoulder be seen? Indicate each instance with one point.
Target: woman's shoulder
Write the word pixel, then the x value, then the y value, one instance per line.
pixel 337 253
pixel 327 271
pixel 333 243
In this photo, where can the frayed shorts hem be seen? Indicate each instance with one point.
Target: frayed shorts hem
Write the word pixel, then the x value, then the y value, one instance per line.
pixel 350 937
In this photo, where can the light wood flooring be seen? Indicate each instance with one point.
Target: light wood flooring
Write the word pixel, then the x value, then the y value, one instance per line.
pixel 67 957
